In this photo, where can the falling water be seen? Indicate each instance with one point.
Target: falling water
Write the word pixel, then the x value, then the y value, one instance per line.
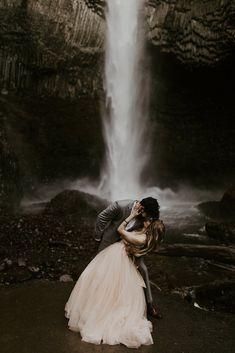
pixel 126 125
pixel 126 118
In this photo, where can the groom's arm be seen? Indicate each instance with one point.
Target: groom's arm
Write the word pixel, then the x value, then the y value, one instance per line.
pixel 104 218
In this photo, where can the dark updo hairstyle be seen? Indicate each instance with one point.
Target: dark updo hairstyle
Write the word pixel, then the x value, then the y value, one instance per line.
pixel 151 207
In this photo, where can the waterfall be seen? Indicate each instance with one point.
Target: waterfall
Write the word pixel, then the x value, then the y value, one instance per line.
pixel 125 121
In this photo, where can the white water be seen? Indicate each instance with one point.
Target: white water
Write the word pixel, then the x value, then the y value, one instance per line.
pixel 126 126
pixel 125 123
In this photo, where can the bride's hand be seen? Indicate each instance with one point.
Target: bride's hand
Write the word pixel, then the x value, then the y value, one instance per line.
pixel 137 210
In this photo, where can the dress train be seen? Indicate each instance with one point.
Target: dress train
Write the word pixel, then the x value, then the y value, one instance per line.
pixel 107 304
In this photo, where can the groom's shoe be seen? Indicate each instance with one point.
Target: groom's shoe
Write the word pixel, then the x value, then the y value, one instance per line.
pixel 152 311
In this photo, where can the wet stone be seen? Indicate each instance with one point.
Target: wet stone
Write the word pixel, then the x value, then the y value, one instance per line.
pixel 17 275
pixel 8 262
pixel 66 278
pixel 34 269
pixel 21 262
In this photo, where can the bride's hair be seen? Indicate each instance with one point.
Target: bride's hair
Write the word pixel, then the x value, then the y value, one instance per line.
pixel 154 236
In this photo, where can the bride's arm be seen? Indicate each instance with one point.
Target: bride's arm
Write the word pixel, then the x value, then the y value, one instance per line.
pixel 129 236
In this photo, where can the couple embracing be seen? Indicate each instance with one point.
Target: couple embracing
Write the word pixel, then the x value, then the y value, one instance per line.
pixel 112 299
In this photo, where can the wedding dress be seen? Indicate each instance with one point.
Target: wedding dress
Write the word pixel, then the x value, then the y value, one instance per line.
pixel 107 304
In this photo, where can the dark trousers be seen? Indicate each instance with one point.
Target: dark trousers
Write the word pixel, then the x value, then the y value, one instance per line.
pixel 144 272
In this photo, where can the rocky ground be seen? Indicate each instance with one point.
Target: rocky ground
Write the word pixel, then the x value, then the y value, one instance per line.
pixel 57 244
pixel 42 255
pixel 41 246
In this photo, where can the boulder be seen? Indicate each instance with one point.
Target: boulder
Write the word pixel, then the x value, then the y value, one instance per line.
pixel 224 232
pixel 210 209
pixel 218 295
pixel 227 203
pixel 16 275
pixel 74 202
pixel 66 278
pixel 223 209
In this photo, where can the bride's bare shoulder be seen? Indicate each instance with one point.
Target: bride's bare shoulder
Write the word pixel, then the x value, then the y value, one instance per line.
pixel 140 236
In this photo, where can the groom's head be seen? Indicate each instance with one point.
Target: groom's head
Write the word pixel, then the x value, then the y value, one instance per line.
pixel 150 208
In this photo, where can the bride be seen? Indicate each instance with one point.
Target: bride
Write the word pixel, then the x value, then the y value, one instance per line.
pixel 107 304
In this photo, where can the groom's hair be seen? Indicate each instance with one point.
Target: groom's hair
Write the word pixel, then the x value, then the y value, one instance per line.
pixel 151 207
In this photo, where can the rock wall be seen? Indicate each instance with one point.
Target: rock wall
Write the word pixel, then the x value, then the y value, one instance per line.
pixel 50 47
pixel 10 182
pixel 197 32
pixel 51 64
pixel 200 32
pixel 193 115
pixel 56 47
pixel 51 56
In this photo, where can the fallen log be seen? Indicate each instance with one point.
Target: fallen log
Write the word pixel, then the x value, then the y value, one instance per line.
pixel 224 254
pixel 227 267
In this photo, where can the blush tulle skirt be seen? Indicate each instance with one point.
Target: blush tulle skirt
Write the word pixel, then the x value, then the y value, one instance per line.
pixel 107 304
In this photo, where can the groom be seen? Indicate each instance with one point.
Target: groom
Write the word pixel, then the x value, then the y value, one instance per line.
pixel 106 233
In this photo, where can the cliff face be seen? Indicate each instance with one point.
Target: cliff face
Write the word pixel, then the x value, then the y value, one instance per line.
pixel 197 32
pixel 50 47
pixel 10 186
pixel 51 65
pixel 200 32
pixel 55 47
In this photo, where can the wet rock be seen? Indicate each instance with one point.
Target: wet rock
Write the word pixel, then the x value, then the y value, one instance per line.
pixel 4 91
pixel 202 230
pixel 210 208
pixel 8 262
pixel 34 269
pixel 56 243
pixel 21 262
pixel 188 29
pixel 67 55
pixel 10 185
pixel 227 202
pixel 23 275
pixel 224 232
pixel 66 278
pixel 221 210
pixel 74 202
pixel 218 295
pixel 16 275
